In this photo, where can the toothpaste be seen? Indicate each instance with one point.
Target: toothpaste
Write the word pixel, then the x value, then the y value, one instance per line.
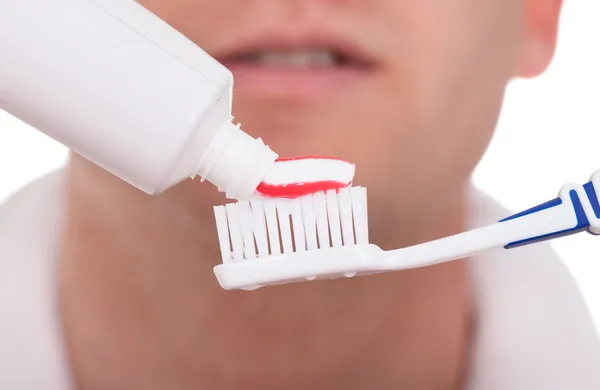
pixel 294 177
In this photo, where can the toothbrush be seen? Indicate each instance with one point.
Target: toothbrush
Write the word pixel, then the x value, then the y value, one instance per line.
pixel 325 235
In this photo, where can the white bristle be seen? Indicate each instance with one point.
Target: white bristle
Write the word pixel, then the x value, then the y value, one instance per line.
pixel 237 244
pixel 223 233
pixel 298 226
pixel 358 196
pixel 333 216
pixel 321 217
pixel 346 216
pixel 310 226
pixel 283 214
pixel 260 228
pixel 263 228
pixel 247 221
pixel 272 228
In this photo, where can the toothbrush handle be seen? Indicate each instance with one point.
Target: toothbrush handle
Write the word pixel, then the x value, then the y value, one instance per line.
pixel 576 209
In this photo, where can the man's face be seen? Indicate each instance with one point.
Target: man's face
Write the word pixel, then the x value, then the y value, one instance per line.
pixel 408 90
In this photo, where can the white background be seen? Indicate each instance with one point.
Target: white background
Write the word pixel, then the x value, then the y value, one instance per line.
pixel 549 134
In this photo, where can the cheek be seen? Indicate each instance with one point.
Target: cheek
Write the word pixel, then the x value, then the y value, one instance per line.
pixel 435 112
pixel 200 20
pixel 462 53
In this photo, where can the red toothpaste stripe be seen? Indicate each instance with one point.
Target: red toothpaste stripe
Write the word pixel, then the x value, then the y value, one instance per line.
pixel 296 190
pixel 309 158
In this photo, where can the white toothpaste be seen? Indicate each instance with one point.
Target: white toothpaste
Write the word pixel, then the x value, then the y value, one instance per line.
pixel 295 177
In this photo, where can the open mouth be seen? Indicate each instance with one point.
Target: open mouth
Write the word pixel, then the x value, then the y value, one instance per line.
pixel 308 66
pixel 316 58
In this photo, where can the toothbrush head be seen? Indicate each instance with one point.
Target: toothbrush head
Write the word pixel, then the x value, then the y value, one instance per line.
pixel 276 241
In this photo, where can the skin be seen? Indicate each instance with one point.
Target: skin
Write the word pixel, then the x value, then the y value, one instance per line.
pixel 140 306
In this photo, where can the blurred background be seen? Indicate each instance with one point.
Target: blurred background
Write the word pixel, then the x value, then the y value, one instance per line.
pixel 549 134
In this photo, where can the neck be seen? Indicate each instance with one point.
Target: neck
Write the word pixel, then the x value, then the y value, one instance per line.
pixel 142 309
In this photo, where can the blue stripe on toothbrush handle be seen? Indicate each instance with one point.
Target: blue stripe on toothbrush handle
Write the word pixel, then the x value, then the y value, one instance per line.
pixel 583 220
pixel 533 210
pixel 591 193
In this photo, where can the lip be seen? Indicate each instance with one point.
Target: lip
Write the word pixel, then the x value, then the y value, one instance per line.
pixel 282 82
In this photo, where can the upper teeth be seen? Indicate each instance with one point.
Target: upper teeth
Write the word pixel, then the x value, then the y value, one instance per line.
pixel 296 58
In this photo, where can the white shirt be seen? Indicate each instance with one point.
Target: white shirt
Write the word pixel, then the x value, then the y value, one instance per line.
pixel 533 328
